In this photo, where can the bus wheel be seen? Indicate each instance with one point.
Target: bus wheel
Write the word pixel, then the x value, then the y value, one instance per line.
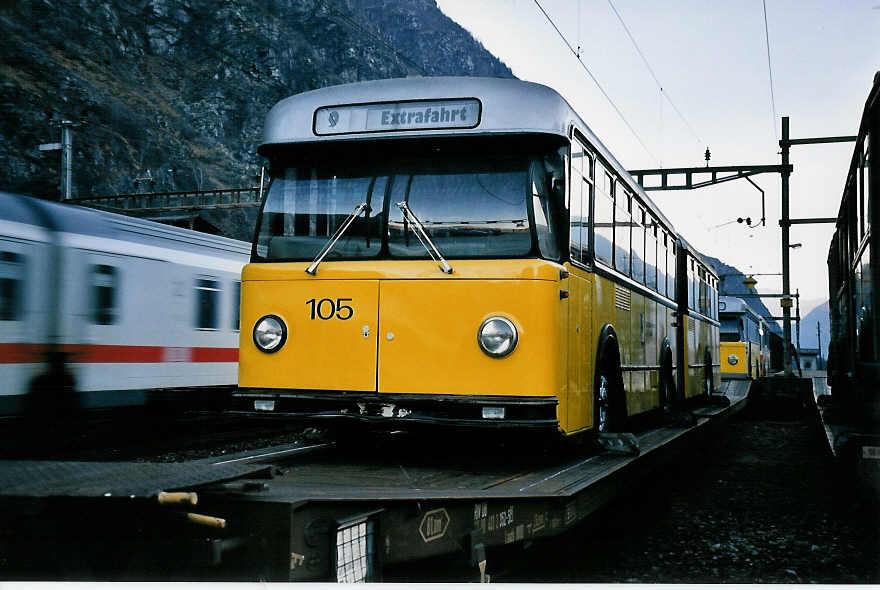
pixel 602 403
pixel 606 399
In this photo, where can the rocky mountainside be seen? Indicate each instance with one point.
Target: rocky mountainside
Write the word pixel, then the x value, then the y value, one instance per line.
pixel 731 283
pixel 176 90
pixel 809 335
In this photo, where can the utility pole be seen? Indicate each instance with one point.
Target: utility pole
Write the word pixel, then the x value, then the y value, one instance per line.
pixel 819 338
pixel 66 159
pixel 66 147
pixel 797 321
pixel 786 222
pixel 785 302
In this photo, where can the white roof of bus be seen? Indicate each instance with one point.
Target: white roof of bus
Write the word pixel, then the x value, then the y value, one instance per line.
pixel 735 305
pixel 508 106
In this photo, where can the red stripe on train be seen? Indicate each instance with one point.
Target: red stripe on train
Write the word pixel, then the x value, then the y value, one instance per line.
pixel 17 353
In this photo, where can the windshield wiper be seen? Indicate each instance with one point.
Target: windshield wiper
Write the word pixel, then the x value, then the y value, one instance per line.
pixel 313 267
pixel 422 235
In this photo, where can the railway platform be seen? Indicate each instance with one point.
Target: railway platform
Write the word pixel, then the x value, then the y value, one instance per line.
pixel 320 512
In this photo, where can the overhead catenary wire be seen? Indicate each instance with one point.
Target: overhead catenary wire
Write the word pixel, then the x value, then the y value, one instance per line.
pixel 596 82
pixel 770 70
pixel 653 74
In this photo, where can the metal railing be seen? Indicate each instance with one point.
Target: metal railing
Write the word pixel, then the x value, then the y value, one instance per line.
pixel 183 201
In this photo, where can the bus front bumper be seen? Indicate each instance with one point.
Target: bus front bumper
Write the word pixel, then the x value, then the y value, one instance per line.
pixel 483 411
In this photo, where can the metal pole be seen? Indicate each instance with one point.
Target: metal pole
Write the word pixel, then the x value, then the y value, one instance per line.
pixel 66 159
pixel 798 321
pixel 819 338
pixel 786 278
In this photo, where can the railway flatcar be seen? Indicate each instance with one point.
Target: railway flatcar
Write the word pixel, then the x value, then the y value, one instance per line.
pixel 745 352
pixel 98 309
pixel 854 354
pixel 465 251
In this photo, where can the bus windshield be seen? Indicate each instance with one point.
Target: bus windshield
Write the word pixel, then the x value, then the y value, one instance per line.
pixel 471 205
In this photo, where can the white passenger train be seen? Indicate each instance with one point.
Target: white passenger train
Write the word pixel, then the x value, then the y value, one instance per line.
pixel 99 309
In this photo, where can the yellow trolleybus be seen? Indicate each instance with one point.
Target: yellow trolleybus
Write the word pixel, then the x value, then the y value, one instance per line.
pixel 745 352
pixel 464 251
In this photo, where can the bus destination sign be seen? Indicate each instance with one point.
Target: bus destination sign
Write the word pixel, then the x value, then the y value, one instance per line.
pixel 398 116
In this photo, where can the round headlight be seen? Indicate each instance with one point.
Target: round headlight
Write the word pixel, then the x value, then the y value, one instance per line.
pixel 731 358
pixel 497 337
pixel 270 333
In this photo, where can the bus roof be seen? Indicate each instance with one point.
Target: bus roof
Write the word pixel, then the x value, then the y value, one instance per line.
pixel 735 305
pixel 502 106
pixel 697 256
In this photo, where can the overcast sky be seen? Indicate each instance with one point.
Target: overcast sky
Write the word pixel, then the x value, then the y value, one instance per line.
pixel 711 59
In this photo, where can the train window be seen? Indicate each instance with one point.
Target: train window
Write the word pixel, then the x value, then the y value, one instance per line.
pixel 866 164
pixel 603 224
pixel 865 317
pixel 671 255
pixel 851 218
pixel 638 243
pixel 207 303
pixel 692 286
pixel 622 226
pixel 236 306
pixel 860 196
pixel 104 290
pixel 11 285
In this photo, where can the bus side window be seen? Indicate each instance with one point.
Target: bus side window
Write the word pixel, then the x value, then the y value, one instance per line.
pixel 603 223
pixel 638 243
pixel 662 245
pixel 650 253
pixel 207 303
pixel 576 217
pixel 622 226
pixel 105 288
pixel 692 284
pixel 11 285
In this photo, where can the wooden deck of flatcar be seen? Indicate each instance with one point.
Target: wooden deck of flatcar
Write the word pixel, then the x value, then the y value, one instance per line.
pixel 404 476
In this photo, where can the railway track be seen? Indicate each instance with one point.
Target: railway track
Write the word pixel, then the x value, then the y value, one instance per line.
pixel 139 435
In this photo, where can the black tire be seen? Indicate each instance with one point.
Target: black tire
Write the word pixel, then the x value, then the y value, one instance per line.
pixel 608 393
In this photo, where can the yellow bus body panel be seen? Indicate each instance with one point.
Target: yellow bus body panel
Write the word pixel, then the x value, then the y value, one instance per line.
pixel 413 329
pixel 319 354
pixel 738 350
pixel 579 336
pixel 428 341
